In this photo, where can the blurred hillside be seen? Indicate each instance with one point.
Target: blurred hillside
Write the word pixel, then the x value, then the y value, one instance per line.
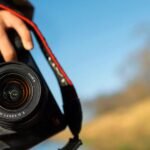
pixel 123 129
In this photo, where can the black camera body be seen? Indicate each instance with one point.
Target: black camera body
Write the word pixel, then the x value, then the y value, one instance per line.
pixel 29 113
pixel 27 106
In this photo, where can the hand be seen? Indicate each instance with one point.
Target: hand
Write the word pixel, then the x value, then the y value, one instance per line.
pixel 8 20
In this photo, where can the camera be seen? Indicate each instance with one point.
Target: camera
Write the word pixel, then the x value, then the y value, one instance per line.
pixel 29 112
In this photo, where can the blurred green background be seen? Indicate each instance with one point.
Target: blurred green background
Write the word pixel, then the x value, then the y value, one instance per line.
pixel 105 48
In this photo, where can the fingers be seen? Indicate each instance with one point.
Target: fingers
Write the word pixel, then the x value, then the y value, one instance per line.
pixel 17 24
pixel 24 33
pixel 7 50
pixel 7 20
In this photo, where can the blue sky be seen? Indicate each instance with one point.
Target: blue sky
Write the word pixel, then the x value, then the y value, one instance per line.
pixel 91 39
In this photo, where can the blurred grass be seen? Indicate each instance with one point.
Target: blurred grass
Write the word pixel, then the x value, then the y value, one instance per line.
pixel 123 129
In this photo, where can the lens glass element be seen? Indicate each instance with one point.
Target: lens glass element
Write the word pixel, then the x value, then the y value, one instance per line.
pixel 15 91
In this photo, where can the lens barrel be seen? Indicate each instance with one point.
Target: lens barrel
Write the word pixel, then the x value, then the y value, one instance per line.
pixel 20 93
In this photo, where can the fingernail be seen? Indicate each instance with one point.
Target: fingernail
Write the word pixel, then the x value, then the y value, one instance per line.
pixel 29 45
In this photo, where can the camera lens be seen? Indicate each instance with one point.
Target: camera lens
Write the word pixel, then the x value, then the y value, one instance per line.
pixel 12 93
pixel 20 94
pixel 15 91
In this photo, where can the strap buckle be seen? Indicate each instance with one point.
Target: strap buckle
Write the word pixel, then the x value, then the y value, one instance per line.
pixel 73 144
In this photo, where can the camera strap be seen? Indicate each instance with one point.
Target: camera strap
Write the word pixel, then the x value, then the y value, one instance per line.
pixel 71 102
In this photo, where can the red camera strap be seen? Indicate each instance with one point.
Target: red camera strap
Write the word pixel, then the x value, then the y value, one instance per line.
pixel 58 69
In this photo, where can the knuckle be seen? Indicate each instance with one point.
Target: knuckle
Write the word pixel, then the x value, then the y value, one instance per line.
pixel 4 13
pixel 20 23
pixel 23 28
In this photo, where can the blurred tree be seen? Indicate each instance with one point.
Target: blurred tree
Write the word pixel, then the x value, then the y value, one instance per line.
pixel 138 73
pixel 136 77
